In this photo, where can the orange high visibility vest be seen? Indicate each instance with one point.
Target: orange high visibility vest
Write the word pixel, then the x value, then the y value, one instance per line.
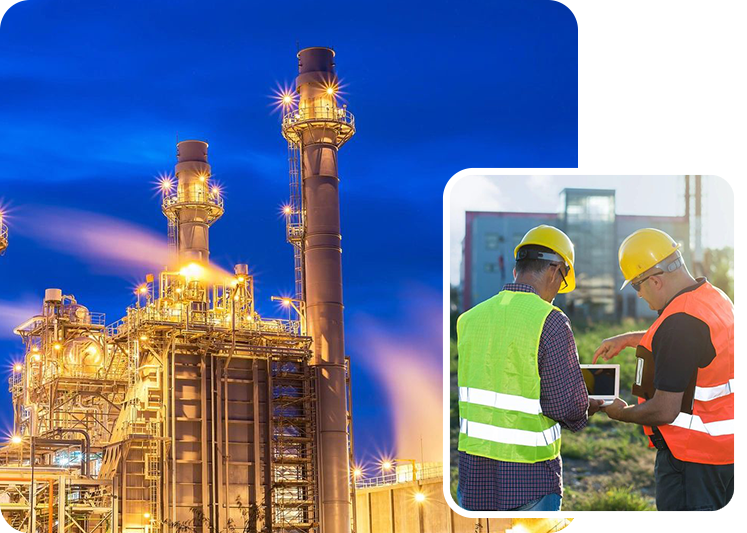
pixel 707 435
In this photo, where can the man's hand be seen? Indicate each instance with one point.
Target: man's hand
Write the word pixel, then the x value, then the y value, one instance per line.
pixel 614 411
pixel 594 405
pixel 613 346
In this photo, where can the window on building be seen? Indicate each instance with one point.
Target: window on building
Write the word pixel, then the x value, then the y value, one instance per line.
pixel 493 240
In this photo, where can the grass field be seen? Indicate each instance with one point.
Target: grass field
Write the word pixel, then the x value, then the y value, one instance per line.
pixel 608 465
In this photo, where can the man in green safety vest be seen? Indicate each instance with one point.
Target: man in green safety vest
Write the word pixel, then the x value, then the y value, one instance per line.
pixel 519 383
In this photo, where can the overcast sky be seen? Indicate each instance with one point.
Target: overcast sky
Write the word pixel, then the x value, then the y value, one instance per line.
pixel 634 195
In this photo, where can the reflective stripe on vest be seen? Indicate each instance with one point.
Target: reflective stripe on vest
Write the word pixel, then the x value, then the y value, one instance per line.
pixel 508 435
pixel 705 394
pixel 695 423
pixel 706 436
pixel 499 401
pixel 499 383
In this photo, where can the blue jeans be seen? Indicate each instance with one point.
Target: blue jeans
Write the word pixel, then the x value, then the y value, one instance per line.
pixel 550 502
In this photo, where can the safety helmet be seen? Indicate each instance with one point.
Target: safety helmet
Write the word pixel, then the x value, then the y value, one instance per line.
pixel 558 242
pixel 642 250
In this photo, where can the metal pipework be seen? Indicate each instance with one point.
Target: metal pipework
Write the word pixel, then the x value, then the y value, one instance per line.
pixel 196 204
pixel 320 128
pixel 3 235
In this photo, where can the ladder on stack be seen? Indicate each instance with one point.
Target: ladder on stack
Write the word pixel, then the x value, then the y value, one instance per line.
pixel 293 446
pixel 295 223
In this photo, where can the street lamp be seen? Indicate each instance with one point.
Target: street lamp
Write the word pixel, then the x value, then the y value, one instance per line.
pixel 299 306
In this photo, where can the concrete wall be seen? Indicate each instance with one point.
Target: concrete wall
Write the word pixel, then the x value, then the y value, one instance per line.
pixel 393 509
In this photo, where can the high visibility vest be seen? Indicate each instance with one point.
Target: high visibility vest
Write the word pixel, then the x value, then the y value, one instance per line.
pixel 499 383
pixel 707 435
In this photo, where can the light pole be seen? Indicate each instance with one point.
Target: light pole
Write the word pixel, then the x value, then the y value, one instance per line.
pixel 299 306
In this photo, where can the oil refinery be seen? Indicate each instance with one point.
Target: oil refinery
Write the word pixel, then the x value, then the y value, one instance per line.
pixel 192 412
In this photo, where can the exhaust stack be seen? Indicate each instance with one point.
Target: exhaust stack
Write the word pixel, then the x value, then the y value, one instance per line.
pixel 318 127
pixel 195 205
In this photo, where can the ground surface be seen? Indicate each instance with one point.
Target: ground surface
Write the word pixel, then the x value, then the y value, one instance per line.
pixel 608 465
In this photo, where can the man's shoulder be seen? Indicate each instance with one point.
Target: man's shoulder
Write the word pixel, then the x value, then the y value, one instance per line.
pixel 557 318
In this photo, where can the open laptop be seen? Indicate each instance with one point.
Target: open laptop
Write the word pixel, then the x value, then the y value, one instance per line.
pixel 602 382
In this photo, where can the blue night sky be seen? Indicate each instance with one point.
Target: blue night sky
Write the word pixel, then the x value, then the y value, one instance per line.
pixel 94 93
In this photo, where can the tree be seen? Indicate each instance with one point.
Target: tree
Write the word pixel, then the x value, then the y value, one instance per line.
pixel 719 265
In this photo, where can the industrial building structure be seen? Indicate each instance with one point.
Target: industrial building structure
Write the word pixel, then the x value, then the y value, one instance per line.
pixel 3 235
pixel 193 413
pixel 588 217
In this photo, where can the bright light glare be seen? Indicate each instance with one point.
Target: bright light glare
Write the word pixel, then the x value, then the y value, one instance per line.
pixel 286 302
pixel 419 497
pixel 143 289
pixel 286 209
pixel 357 472
pixel 16 439
pixel 57 346
pixel 166 184
pixel 193 272
pixel 386 464
pixel 215 191
pixel 37 357
pixel 17 367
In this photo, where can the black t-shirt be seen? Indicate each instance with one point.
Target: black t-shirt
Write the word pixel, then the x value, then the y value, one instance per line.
pixel 681 345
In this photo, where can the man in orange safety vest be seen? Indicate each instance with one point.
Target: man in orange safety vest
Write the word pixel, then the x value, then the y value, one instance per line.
pixel 684 375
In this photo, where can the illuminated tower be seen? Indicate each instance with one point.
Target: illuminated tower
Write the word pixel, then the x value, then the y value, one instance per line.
pixel 316 128
pixel 3 235
pixel 195 205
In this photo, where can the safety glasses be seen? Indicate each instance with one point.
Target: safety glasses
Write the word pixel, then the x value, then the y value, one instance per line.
pixel 563 275
pixel 637 285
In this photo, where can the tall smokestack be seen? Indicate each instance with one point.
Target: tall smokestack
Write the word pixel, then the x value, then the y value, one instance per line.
pixel 319 127
pixel 196 204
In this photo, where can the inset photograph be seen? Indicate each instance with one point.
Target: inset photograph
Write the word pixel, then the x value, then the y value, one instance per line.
pixel 591 342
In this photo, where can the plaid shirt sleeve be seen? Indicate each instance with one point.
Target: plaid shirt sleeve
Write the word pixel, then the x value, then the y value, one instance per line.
pixel 563 395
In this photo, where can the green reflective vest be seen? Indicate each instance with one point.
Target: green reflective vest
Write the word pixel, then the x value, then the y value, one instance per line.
pixel 499 383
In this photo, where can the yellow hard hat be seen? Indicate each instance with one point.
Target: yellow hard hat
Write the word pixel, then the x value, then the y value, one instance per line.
pixel 558 242
pixel 642 250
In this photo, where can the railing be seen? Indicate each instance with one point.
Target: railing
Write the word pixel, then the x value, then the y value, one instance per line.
pixel 3 238
pixel 213 318
pixel 319 113
pixel 97 319
pixel 403 475
pixel 200 195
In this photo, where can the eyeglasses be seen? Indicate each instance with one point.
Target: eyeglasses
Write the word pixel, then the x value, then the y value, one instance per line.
pixel 637 285
pixel 560 270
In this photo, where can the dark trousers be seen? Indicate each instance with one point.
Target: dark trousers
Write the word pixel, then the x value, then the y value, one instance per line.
pixel 682 486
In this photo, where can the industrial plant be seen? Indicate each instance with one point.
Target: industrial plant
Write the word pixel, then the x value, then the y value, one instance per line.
pixel 192 412
pixel 3 235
